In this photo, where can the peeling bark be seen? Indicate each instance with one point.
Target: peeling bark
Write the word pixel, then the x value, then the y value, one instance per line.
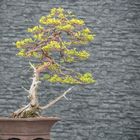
pixel 32 109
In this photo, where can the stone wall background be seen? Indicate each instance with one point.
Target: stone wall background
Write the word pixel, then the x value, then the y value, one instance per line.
pixel 107 110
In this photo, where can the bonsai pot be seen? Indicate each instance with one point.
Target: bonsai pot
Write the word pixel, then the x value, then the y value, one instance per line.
pixel 26 128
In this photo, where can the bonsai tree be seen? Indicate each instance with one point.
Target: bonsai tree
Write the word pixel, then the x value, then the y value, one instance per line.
pixel 56 41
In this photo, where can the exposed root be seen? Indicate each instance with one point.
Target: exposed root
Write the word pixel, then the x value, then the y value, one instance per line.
pixel 26 112
pixel 29 111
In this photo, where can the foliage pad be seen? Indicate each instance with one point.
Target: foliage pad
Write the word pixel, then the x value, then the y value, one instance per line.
pixel 55 42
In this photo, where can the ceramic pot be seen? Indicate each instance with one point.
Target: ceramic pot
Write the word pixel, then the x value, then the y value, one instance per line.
pixel 26 128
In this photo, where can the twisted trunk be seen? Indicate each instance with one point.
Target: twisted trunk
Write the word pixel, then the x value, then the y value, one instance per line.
pixel 33 108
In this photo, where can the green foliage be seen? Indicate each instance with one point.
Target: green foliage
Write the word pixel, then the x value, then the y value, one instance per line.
pixel 35 29
pixel 46 76
pixel 68 79
pixel 21 52
pixel 65 27
pixel 24 42
pixel 87 78
pixel 55 40
pixel 80 54
pixel 51 46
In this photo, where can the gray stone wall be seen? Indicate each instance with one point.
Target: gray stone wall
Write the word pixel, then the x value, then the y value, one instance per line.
pixel 107 110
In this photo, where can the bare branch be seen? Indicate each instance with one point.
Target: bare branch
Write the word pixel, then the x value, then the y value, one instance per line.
pixel 57 99
pixel 32 66
pixel 26 89
pixel 66 97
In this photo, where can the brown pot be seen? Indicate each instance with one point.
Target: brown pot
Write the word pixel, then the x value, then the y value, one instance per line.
pixel 26 128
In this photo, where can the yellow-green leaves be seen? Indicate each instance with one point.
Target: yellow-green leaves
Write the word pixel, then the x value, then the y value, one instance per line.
pixel 54 17
pixel 23 42
pixel 49 21
pixel 87 78
pixel 67 43
pixel 83 54
pixel 76 21
pixel 65 27
pixel 39 36
pixel 35 54
pixel 22 46
pixel 55 41
pixel 55 68
pixel 35 29
pixel 84 36
pixel 21 52
pixel 69 59
pixel 57 11
pixel 46 76
pixel 80 54
pixel 55 78
pixel 68 79
pixel 89 37
pixel 51 45
pixel 86 31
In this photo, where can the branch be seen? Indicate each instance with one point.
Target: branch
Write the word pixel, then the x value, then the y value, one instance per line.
pixel 32 66
pixel 56 100
pixel 25 89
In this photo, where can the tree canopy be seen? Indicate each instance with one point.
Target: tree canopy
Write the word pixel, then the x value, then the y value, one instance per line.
pixel 56 41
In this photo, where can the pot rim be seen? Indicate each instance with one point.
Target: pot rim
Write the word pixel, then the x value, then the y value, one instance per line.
pixel 42 118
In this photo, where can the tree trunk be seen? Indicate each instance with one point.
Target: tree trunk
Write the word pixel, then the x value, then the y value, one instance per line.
pixel 32 109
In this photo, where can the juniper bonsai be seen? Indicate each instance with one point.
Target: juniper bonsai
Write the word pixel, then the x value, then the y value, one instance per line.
pixel 55 42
